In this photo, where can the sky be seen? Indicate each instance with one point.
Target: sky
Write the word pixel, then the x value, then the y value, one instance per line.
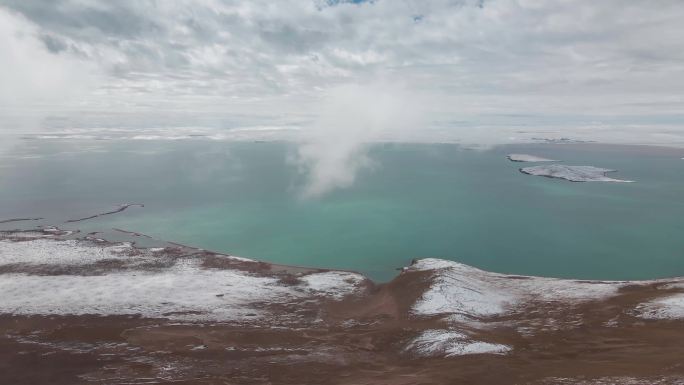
pixel 482 57
pixel 353 71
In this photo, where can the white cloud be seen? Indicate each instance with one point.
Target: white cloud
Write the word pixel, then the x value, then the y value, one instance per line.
pixel 351 117
pixel 490 56
pixel 30 74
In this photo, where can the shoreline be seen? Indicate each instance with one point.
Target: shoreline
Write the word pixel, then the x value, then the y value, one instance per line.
pixel 75 234
pixel 193 315
pixel 53 233
pixel 106 236
pixel 252 247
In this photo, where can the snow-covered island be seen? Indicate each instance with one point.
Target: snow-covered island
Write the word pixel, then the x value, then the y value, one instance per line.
pixel 572 173
pixel 112 313
pixel 528 158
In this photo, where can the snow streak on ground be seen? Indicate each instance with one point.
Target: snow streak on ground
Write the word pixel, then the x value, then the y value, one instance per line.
pixel 445 343
pixel 465 291
pixel 180 288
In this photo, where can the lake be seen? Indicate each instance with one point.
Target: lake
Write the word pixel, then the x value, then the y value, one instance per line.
pixel 418 200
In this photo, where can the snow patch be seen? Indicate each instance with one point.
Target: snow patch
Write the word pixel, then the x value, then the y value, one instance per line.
pixel 572 173
pixel 333 284
pixel 459 289
pixel 671 307
pixel 446 343
pixel 184 291
pixel 462 290
pixel 56 252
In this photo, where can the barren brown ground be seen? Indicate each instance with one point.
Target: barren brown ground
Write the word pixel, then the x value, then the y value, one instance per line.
pixel 359 340
pixel 131 350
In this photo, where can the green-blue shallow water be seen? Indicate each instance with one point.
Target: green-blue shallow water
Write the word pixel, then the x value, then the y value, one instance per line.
pixel 420 200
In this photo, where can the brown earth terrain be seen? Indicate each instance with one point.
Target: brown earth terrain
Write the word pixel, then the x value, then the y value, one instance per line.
pixel 390 333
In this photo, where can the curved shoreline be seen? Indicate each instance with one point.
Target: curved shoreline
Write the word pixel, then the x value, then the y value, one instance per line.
pixel 174 249
pixel 118 304
pixel 54 232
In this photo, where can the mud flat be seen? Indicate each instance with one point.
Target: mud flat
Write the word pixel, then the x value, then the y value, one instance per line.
pixel 87 310
pixel 573 173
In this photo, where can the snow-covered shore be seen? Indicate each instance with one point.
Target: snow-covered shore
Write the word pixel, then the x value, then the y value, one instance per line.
pixel 44 275
pixel 451 307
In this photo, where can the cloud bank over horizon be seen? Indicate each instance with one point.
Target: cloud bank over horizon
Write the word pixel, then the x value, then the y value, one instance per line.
pixel 483 57
pixel 347 72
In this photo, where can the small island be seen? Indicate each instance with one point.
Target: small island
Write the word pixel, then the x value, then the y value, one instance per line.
pixel 572 173
pixel 528 158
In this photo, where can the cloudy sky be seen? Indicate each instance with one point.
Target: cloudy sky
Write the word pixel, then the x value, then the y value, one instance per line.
pixel 335 75
pixel 559 61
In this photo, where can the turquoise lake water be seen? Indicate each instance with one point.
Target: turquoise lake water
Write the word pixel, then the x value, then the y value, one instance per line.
pixel 420 200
